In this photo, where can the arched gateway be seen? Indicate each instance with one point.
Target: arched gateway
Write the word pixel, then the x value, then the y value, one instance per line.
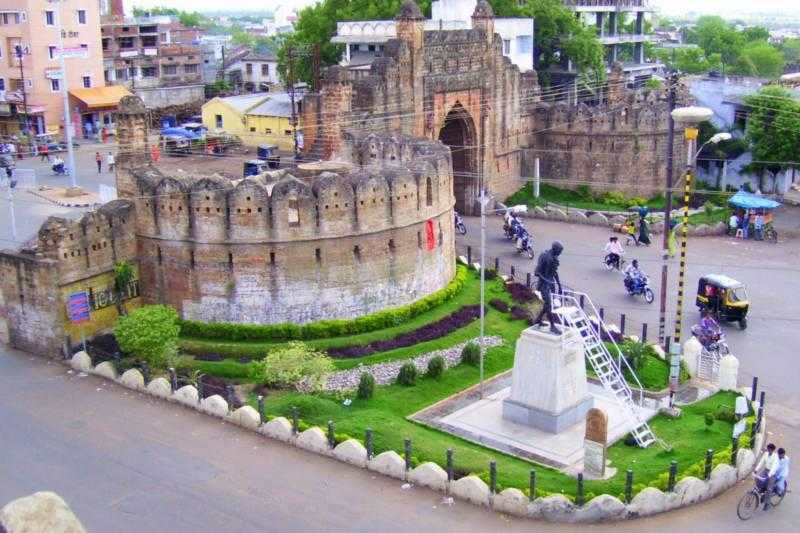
pixel 458 133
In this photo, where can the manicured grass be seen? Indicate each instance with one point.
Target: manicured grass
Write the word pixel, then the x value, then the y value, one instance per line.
pixel 719 214
pixel 576 199
pixel 653 374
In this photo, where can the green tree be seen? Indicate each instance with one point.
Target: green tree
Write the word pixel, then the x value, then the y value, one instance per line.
pixel 149 334
pixel 790 48
pixel 689 60
pixel 760 59
pixel 773 130
pixel 191 19
pixel 755 33
pixel 123 275
pixel 715 36
pixel 292 362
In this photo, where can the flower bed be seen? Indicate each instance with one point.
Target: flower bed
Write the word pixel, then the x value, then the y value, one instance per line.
pixel 437 329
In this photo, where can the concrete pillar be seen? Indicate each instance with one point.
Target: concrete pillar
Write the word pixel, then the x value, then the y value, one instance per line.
pixel 639 23
pixel 723 180
pixel 638 52
pixel 601 19
pixel 613 19
pixel 613 53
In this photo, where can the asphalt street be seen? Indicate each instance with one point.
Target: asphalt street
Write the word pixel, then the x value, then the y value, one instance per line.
pixel 126 462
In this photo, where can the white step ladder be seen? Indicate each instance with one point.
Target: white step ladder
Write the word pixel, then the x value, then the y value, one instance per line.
pixel 567 306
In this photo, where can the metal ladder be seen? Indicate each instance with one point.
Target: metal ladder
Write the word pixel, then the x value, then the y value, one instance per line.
pixel 567 305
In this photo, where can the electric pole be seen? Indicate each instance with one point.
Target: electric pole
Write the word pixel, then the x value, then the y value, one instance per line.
pixel 672 83
pixel 290 75
pixel 20 52
pixel 65 94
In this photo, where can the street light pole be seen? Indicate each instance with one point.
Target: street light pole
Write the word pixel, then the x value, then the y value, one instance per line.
pixel 65 95
pixel 662 316
pixel 483 276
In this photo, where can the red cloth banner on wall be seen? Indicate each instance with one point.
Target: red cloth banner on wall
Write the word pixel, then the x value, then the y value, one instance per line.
pixel 429 235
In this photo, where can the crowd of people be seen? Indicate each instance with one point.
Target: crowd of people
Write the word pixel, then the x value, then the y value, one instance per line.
pixel 750 222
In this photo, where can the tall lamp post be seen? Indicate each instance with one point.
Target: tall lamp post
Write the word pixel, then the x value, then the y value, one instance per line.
pixel 689 118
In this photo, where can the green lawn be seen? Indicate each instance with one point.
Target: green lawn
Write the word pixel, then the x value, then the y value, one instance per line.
pixel 718 214
pixel 576 199
pixel 653 373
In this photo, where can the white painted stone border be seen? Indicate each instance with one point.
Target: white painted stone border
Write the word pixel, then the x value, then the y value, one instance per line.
pixel 554 508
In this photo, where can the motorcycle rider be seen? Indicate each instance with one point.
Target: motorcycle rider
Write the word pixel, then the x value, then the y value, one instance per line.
pixel 58 165
pixel 709 328
pixel 458 220
pixel 632 274
pixel 523 239
pixel 614 251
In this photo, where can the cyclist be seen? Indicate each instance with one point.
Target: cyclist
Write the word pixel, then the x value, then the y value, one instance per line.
pixel 765 472
pixel 782 475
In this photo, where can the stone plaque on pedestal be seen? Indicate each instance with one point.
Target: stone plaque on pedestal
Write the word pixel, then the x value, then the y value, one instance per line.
pixel 594 443
pixel 548 387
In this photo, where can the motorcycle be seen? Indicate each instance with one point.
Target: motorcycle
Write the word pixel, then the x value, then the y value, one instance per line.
pixel 460 227
pixel 59 169
pixel 511 230
pixel 525 244
pixel 609 264
pixel 639 286
pixel 712 341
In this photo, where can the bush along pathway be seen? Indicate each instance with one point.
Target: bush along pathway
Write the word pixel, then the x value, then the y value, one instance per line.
pixel 386 373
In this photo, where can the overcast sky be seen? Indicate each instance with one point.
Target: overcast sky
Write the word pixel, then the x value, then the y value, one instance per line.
pixel 670 6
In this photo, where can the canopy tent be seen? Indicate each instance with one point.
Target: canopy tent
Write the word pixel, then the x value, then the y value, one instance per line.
pixel 100 97
pixel 746 200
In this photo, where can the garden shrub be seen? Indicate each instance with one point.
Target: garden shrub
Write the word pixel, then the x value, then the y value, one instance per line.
pixel 436 367
pixel 489 274
pixel 366 386
pixel 520 293
pixel 407 375
pixel 149 334
pixel 499 304
pixel 725 413
pixel 434 330
pixel 519 313
pixel 324 328
pixel 636 201
pixel 287 364
pixel 709 418
pixel 471 354
pixel 635 353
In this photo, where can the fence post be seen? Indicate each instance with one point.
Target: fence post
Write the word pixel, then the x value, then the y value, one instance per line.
pixel 199 388
pixel 493 476
pixel 762 399
pixel 532 486
pixel 407 452
pixel 628 486
pixel 622 323
pixel 331 434
pixel 602 313
pixel 146 372
pixel 449 464
pixel 528 280
pixel 734 450
pixel 295 422
pixel 667 342
pixel 513 271
pixel 469 255
pixel 579 495
pixel 754 390
pixel 644 332
pixel 173 379
pixel 709 462
pixel 497 264
pixel 229 395
pixel 673 472
pixel 368 442
pixel 582 300
pixel 260 409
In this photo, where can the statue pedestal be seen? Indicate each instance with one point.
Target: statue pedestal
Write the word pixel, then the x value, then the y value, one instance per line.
pixel 548 389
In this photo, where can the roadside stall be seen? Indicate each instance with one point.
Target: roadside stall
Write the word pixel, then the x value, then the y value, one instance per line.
pixel 753 217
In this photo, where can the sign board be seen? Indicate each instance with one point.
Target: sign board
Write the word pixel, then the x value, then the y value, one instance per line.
pixel 151 51
pixel 674 368
pixel 739 427
pixel 78 307
pixel 74 51
pixel 129 53
pixel 107 193
pixel 594 458
pixel 53 74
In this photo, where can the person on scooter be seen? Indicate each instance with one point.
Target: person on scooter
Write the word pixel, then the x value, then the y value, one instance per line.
pixel 523 239
pixel 613 252
pixel 632 274
pixel 58 165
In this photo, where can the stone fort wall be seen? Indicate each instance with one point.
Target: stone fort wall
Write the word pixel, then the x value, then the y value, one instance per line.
pixel 301 246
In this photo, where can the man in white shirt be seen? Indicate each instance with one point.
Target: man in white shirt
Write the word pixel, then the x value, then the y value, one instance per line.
pixel 613 251
pixel 782 475
pixel 733 224
pixel 765 471
pixel 110 162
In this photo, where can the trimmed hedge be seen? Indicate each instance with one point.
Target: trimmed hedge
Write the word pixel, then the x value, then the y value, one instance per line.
pixel 324 328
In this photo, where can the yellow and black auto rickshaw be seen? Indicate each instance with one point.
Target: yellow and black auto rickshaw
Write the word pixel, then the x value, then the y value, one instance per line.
pixel 724 297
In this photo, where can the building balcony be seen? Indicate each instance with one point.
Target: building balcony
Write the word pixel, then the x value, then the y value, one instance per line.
pixel 621 38
pixel 599 6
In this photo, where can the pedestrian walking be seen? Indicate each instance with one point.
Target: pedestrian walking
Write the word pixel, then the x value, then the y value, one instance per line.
pixel 745 224
pixel 758 225
pixel 155 153
pixel 99 159
pixel 44 152
pixel 110 162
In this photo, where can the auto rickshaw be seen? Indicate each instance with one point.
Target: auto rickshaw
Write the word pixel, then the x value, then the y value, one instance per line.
pixel 724 297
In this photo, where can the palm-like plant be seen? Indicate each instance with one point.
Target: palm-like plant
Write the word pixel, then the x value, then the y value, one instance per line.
pixel 123 275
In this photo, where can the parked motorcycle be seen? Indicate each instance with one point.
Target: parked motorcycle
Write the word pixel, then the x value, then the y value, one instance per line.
pixel 460 227
pixel 639 286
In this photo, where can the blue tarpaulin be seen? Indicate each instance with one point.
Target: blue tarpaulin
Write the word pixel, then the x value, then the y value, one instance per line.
pixel 746 200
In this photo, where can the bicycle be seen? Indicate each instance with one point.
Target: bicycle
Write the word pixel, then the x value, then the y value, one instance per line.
pixel 755 498
pixel 770 234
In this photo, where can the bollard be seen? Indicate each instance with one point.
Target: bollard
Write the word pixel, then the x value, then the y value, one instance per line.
pixel 469 255
pixel 582 298
pixel 734 450
pixel 368 442
pixel 667 342
pixel 331 434
pixel 644 332
pixel 579 496
pixel 407 452
pixel 528 280
pixel 146 372
pixel 709 462
pixel 622 323
pixel 513 272
pixel 754 390
pixel 295 416
pixel 497 264
pixel 493 476
pixel 173 379
pixel 673 472
pixel 199 388
pixel 260 409
pixel 763 398
pixel 602 313
pixel 230 396
pixel 753 431
pixel 449 464
pixel 628 486
pixel 532 486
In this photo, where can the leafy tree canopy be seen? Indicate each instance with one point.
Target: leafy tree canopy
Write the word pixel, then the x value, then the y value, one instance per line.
pixel 191 19
pixel 149 334
pixel 790 48
pixel 760 59
pixel 773 129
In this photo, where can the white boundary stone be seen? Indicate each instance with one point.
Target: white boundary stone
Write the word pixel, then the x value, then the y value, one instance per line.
pixel 159 387
pixel 538 212
pixel 40 511
pixel 314 440
pixel 214 405
pixel 728 372
pixel 81 362
pixel 601 508
pixel 691 490
pixel 132 379
pixel 723 477
pixel 429 475
pixel 106 370
pixel 511 501
pixel 389 464
pixel 278 428
pixel 648 502
pixel 598 219
pixel 471 489
pixel 557 214
pixel 745 462
pixel 578 217
pixel 463 260
pixel 554 508
pixel 351 451
pixel 247 417
pixel 186 395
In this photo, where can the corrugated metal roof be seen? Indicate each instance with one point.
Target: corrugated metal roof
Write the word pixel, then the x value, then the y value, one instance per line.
pixel 276 105
pixel 243 102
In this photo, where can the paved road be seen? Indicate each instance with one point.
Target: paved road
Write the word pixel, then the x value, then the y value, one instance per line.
pixel 127 462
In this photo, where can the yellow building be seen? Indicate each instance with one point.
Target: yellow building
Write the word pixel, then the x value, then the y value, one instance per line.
pixel 260 118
